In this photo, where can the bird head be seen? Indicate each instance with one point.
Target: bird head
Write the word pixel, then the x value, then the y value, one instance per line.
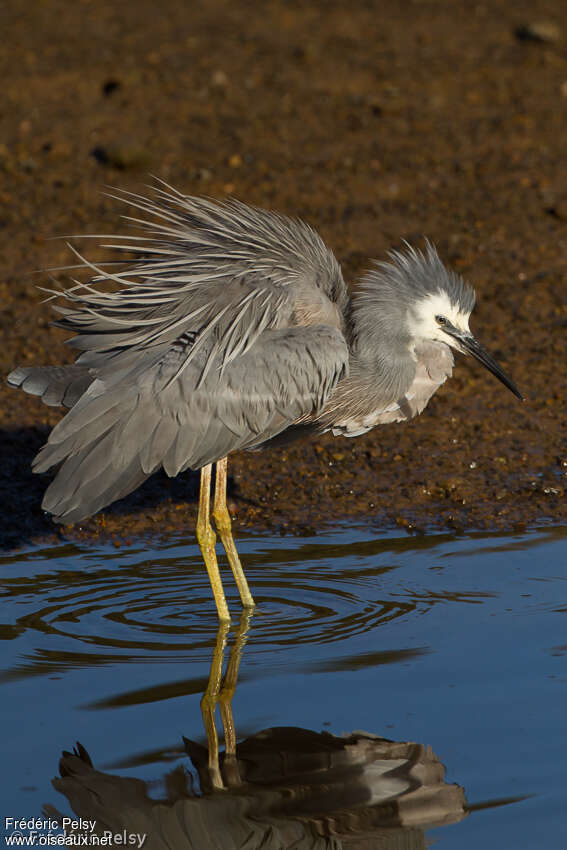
pixel 439 307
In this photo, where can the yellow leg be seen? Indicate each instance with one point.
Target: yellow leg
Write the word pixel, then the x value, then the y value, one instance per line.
pixel 230 770
pixel 220 691
pixel 229 684
pixel 209 703
pixel 224 528
pixel 207 539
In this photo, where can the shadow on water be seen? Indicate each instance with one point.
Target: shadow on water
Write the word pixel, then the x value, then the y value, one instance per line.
pixel 283 787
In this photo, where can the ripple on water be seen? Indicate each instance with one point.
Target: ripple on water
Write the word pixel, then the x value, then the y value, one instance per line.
pixel 102 605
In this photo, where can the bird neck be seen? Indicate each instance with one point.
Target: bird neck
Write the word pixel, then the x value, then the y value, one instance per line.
pixel 381 345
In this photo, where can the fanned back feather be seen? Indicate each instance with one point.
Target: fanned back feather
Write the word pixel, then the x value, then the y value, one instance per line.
pixel 224 332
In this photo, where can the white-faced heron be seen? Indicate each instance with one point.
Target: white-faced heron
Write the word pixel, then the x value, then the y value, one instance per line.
pixel 234 329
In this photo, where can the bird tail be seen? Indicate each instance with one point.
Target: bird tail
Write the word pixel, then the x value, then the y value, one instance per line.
pixel 96 449
pixel 56 385
pixel 94 445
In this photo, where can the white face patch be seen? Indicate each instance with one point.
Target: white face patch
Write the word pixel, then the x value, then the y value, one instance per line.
pixel 422 323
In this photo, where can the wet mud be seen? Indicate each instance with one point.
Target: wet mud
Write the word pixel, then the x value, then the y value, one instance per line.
pixel 376 122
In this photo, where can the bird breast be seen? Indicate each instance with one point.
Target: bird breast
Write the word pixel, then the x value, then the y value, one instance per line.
pixel 434 364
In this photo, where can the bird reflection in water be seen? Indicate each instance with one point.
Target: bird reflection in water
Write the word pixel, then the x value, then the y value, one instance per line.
pixel 281 788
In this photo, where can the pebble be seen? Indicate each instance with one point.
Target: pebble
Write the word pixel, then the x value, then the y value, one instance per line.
pixel 110 86
pixel 545 32
pixel 557 207
pixel 219 79
pixel 121 155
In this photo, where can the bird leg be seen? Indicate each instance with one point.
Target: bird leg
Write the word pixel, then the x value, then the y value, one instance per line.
pixel 209 703
pixel 230 766
pixel 224 528
pixel 220 691
pixel 207 539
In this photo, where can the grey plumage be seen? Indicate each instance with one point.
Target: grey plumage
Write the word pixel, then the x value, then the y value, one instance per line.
pixel 56 385
pixel 232 327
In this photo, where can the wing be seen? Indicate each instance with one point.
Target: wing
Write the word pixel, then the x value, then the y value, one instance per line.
pixel 226 331
pixel 125 428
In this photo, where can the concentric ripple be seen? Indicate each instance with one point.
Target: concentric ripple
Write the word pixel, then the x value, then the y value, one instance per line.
pixel 103 605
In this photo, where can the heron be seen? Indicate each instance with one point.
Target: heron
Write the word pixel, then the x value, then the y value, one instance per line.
pixel 230 327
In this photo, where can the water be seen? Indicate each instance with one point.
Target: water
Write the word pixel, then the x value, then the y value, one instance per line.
pixel 456 643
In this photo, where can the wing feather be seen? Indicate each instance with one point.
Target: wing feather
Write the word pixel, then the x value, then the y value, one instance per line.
pixel 259 395
pixel 224 331
pixel 56 385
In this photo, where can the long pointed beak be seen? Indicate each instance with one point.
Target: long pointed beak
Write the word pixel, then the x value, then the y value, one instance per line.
pixel 469 345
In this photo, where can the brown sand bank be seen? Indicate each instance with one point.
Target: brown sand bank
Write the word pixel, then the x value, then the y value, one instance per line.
pixel 376 122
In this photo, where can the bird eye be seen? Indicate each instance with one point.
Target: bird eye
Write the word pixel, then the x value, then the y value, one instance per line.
pixel 441 320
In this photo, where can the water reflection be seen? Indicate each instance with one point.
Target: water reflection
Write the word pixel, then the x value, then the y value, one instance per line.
pixel 281 788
